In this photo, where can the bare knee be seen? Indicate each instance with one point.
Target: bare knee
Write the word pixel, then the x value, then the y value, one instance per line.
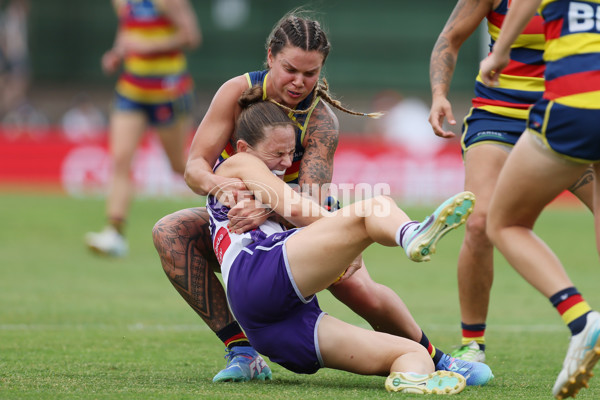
pixel 493 230
pixel 476 231
pixel 183 241
pixel 121 165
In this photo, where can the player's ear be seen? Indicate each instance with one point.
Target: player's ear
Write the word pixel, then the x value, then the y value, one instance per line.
pixel 269 58
pixel 241 146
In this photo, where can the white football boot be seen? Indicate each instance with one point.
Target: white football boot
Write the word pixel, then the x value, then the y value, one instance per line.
pixel 108 242
pixel 582 355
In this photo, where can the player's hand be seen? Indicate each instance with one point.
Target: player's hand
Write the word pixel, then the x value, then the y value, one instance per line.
pixel 229 191
pixel 132 43
pixel 246 215
pixel 491 67
pixel 440 109
pixel 111 61
pixel 357 264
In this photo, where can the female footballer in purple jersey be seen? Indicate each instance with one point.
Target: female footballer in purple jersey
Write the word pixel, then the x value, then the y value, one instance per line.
pixel 490 130
pixel 272 274
pixel 561 139
pixel 296 51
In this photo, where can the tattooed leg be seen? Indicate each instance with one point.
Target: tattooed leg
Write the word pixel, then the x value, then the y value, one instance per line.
pixel 183 242
pixel 584 189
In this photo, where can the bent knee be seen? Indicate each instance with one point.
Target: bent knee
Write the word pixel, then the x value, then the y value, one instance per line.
pixel 476 229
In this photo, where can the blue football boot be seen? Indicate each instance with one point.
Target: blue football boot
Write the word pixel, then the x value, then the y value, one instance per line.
pixel 243 364
pixel 475 373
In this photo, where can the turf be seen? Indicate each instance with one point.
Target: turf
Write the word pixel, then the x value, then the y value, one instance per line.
pixel 77 326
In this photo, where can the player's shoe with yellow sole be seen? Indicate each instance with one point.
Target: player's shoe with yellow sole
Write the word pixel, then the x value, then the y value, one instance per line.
pixel 438 382
pixel 582 355
pixel 450 215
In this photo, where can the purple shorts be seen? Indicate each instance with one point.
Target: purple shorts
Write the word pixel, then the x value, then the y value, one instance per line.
pixel 264 299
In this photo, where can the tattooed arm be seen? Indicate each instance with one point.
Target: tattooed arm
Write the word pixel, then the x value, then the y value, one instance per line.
pixel 316 166
pixel 320 143
pixel 464 20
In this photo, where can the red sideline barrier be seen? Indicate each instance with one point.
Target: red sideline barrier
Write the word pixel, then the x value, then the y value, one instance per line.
pixel 362 167
pixel 81 168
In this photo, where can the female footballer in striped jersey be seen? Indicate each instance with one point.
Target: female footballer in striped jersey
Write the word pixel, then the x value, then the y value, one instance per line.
pixel 561 139
pixel 154 89
pixel 490 130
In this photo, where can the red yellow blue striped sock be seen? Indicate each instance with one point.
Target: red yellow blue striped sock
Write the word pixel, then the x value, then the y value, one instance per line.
pixel 232 335
pixel 435 355
pixel 572 308
pixel 473 333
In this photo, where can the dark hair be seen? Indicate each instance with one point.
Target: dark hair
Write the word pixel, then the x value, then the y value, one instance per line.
pixel 306 34
pixel 257 115
pixel 298 31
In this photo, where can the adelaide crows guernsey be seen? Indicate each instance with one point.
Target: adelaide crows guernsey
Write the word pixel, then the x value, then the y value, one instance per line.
pixel 572 53
pixel 522 82
pixel 300 120
pixel 151 78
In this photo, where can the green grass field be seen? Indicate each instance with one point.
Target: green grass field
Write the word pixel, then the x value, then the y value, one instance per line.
pixel 77 326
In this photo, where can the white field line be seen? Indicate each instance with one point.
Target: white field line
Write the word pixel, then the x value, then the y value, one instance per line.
pixel 141 327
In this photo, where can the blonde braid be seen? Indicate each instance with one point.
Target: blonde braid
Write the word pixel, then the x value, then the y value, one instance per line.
pixel 322 90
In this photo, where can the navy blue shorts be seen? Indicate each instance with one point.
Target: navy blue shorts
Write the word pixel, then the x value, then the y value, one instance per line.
pixel 573 133
pixel 279 322
pixel 482 126
pixel 161 114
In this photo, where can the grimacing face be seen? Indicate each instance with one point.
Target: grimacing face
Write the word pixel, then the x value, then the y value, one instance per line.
pixel 293 74
pixel 277 148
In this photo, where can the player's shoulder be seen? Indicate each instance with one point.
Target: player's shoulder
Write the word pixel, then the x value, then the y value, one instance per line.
pixel 324 117
pixel 231 90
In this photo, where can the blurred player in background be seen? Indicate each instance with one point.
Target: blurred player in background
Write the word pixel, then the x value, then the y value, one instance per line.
pixel 489 132
pixel 15 69
pixel 561 139
pixel 296 51
pixel 155 89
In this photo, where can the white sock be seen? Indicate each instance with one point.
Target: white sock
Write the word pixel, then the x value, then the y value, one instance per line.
pixel 405 231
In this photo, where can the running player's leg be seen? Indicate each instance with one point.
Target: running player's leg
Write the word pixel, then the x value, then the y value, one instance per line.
pixel 583 187
pixel 174 139
pixel 531 178
pixel 126 130
pixel 475 261
pixel 174 135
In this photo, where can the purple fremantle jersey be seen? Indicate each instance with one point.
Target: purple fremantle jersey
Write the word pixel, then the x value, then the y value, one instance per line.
pixel 262 294
pixel 228 245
